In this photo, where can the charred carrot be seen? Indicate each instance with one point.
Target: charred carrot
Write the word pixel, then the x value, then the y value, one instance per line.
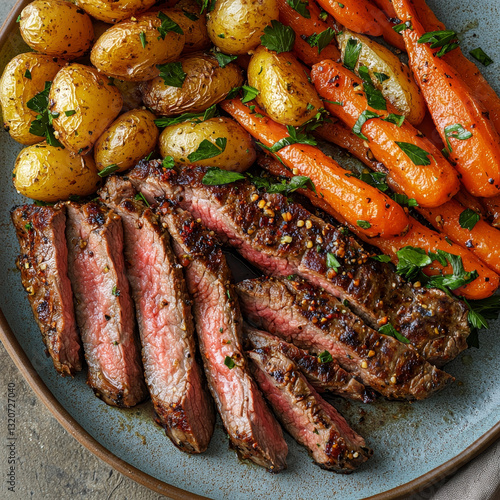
pixel 387 7
pixel 414 163
pixel 471 138
pixel 363 17
pixel 362 205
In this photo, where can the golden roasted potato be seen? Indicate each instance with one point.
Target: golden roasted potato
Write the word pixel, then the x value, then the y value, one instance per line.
pixel 47 173
pixel 285 95
pixel 181 140
pixel 113 11
pixel 85 102
pixel 56 28
pixel 130 50
pixel 235 26
pixel 394 80
pixel 129 138
pixel 206 83
pixel 187 15
pixel 22 79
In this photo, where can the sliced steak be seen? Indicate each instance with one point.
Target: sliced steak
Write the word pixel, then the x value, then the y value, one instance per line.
pixel 252 429
pixel 104 308
pixel 179 394
pixel 43 263
pixel 317 321
pixel 283 238
pixel 324 376
pixel 313 422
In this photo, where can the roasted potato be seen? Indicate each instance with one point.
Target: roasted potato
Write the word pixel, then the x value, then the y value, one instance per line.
pixel 56 28
pixel 47 173
pixel 206 83
pixel 22 79
pixel 84 103
pixel 113 11
pixel 130 50
pixel 285 93
pixel 235 26
pixel 395 80
pixel 179 141
pixel 130 137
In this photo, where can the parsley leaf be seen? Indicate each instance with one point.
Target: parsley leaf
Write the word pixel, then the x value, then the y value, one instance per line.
pixel 363 118
pixel 382 258
pixel 445 39
pixel 190 15
pixel 233 92
pixel 295 182
pixel 351 53
pixel 363 224
pixel 207 5
pixel 249 93
pixel 108 170
pixel 217 177
pixel 417 155
pixel 403 200
pixel 166 26
pixel 193 117
pixel 229 362
pixel 172 74
pixel 381 77
pixel 208 149
pixel 456 131
pixel 300 7
pixel 403 26
pixel 481 56
pixel 332 262
pixel 70 112
pixel 468 219
pixel 480 311
pixel 27 74
pixel 321 40
pixel 374 97
pixel 223 59
pixel 390 331
pixel 295 137
pixel 410 262
pixel 396 119
pixel 325 357
pixel 168 162
pixel 142 38
pixel 375 179
pixel 278 37
pixel 459 278
pixel 40 101
pixel 141 197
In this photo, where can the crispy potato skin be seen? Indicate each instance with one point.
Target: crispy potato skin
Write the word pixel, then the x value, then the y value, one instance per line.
pixel 241 22
pixel 94 99
pixel 178 141
pixel 113 11
pixel 49 174
pixel 119 51
pixel 206 83
pixel 56 28
pixel 129 138
pixel 285 93
pixel 400 88
pixel 16 89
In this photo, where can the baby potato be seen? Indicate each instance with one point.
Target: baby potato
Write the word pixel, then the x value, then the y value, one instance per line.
pixel 398 85
pixel 180 140
pixel 84 103
pixel 130 137
pixel 113 11
pixel 49 174
pixel 22 79
pixel 235 26
pixel 130 50
pixel 206 83
pixel 285 95
pixel 56 28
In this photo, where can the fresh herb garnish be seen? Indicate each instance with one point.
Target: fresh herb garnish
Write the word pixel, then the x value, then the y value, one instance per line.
pixel 168 162
pixel 325 357
pixel 351 53
pixel 141 197
pixel 332 262
pixel 233 92
pixel 295 137
pixel 390 331
pixel 217 177
pixel 27 74
pixel 456 131
pixel 399 28
pixel 480 311
pixel 70 112
pixel 191 117
pixel 446 40
pixel 209 5
pixel 283 187
pixel 190 15
pixel 229 362
pixel 480 56
pixel 208 149
pixel 108 170
pixel 417 155
pixel 172 74
pixel 300 7
pixel 166 26
pixel 403 200
pixel 375 179
pixel 321 40
pixel 28 226
pixel 223 59
pixel 363 224
pixel 396 119
pixel 374 97
pixel 363 118
pixel 115 291
pixel 249 93
pixel 278 37
pixel 142 38
pixel 381 77
pixel 468 219
pixel 381 258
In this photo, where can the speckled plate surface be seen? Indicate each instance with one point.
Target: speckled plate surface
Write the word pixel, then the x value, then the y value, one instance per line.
pixel 414 443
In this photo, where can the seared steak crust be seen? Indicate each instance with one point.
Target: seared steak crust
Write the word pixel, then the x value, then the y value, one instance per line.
pixel 312 421
pixel 323 376
pixel 252 429
pixel 180 398
pixel 104 308
pixel 315 320
pixel 43 263
pixel 283 238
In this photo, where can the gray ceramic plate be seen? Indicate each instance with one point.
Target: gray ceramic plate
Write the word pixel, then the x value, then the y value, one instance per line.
pixel 414 443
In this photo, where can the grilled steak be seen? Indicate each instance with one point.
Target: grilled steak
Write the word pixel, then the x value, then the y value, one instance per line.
pixel 252 429
pixel 315 320
pixel 283 238
pixel 181 401
pixel 43 263
pixel 323 376
pixel 312 421
pixel 104 309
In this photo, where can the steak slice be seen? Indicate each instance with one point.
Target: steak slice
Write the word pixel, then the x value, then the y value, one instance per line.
pixel 327 376
pixel 104 308
pixel 180 398
pixel 313 422
pixel 43 263
pixel 283 238
pixel 315 320
pixel 252 429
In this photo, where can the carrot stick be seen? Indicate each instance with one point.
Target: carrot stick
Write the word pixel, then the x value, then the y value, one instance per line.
pixel 387 7
pixel 363 17
pixel 305 27
pixel 448 98
pixel 469 72
pixel 362 205
pixel 431 185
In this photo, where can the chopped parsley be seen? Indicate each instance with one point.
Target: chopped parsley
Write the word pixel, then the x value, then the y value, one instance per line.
pixel 249 93
pixel 278 37
pixel 108 170
pixel 172 74
pixel 390 331
pixel 229 362
pixel 481 56
pixel 332 262
pixel 456 131
pixel 445 40
pixel 363 118
pixel 217 177
pixel 363 224
pixel 208 149
pixel 321 40
pixel 325 357
pixel 192 117
pixel 417 155
pixel 142 37
pixel 351 53
pixel 166 26
pixel 468 219
pixel 223 59
pixel 300 7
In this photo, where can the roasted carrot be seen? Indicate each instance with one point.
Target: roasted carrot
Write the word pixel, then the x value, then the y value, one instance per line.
pixel 431 185
pixel 363 17
pixel 386 6
pixel 468 201
pixel 492 207
pixel 454 111
pixel 305 27
pixel 362 205
pixel 469 72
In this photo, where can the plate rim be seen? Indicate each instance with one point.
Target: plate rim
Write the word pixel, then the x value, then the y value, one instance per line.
pixel 22 362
